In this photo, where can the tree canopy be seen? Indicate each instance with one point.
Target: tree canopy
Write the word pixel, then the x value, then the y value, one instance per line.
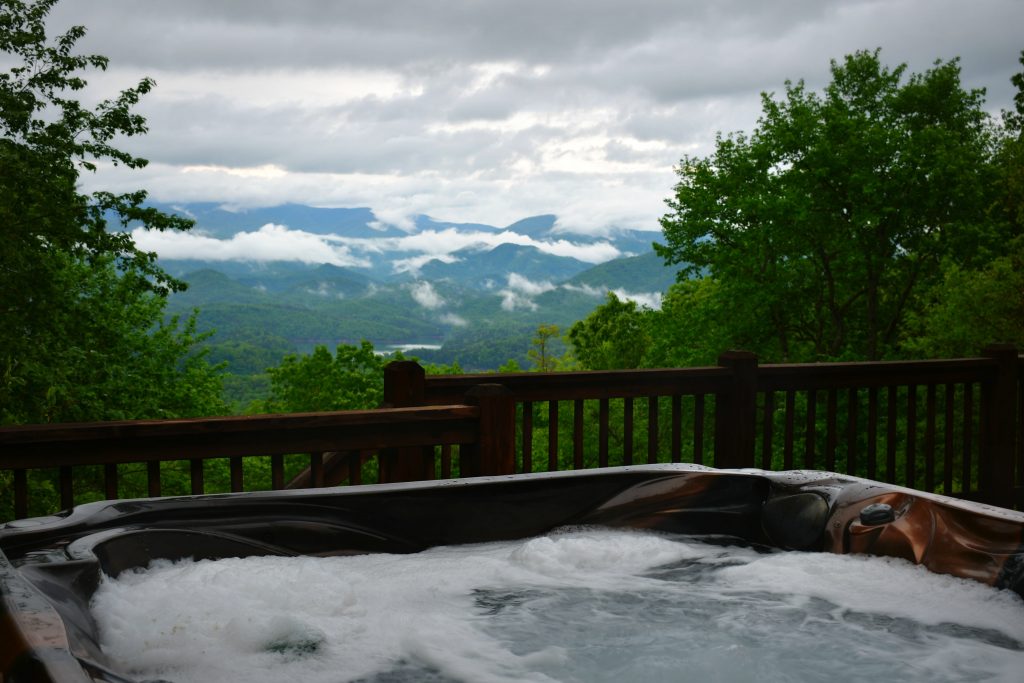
pixel 83 335
pixel 614 337
pixel 824 226
pixel 350 379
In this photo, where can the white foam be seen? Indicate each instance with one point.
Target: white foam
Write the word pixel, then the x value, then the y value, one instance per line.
pixel 582 605
pixel 880 586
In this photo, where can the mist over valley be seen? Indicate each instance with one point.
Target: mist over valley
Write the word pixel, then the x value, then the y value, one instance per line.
pixel 285 279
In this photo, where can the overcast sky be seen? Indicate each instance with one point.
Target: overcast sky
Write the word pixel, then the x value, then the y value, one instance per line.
pixel 487 111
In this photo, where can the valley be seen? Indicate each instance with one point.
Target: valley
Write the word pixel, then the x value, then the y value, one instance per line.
pixel 446 293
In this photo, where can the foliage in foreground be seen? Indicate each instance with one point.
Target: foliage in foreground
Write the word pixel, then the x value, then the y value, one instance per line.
pixel 824 229
pixel 883 218
pixel 83 335
pixel 352 378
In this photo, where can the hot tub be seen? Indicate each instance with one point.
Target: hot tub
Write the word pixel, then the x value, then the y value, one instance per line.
pixel 52 569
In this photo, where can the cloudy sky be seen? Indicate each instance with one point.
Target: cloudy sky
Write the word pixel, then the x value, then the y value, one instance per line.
pixel 487 111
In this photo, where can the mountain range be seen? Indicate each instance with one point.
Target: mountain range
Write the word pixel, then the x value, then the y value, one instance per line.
pixel 475 299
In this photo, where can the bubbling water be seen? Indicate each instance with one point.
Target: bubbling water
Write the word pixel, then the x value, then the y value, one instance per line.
pixel 577 605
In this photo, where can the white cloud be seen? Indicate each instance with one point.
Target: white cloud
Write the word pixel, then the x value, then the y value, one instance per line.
pixel 281 243
pixel 454 320
pixel 524 285
pixel 323 289
pixel 269 243
pixel 412 264
pixel 398 217
pixel 649 299
pixel 511 300
pixel 441 243
pixel 425 295
pixel 596 292
pixel 520 290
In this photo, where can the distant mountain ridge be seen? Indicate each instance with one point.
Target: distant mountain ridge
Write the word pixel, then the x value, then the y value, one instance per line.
pixel 487 267
pixel 479 302
pixel 218 221
pixel 643 273
pixel 382 251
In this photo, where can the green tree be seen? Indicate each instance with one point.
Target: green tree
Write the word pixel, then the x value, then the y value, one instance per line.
pixel 970 309
pixel 350 379
pixel 827 220
pixel 692 327
pixel 614 336
pixel 1009 162
pixel 975 305
pixel 82 337
pixel 541 353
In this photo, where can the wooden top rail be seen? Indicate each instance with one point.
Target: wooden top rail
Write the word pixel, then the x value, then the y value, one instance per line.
pixel 563 386
pixel 875 374
pixel 52 445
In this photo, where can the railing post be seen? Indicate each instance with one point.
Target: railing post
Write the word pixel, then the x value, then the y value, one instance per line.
pixel 736 412
pixel 494 452
pixel 1001 429
pixel 404 384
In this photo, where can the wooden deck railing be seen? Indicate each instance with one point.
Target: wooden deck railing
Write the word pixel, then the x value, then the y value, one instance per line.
pixel 951 426
pixel 340 441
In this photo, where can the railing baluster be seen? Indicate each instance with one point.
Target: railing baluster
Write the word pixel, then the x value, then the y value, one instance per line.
pixel 446 461
pixel 527 436
pixel 872 432
pixel 602 432
pixel 153 478
pixel 911 465
pixel 787 449
pixel 767 426
pixel 652 429
pixel 831 435
pixel 852 408
pixel 812 429
pixel 196 476
pixel 890 435
pixel 277 472
pixel 552 436
pixel 110 481
pixel 968 444
pixel 577 434
pixel 20 494
pixel 947 464
pixel 67 488
pixel 235 466
pixel 698 429
pixel 1020 434
pixel 929 439
pixel 627 431
pixel 316 470
pixel 677 428
pixel 355 468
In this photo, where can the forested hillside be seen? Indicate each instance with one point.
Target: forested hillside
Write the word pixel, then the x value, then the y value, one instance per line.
pixel 259 313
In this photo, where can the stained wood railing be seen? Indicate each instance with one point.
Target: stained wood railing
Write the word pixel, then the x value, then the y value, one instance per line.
pixel 337 446
pixel 951 426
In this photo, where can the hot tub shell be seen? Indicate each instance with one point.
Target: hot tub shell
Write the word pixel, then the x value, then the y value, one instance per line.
pixel 51 566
